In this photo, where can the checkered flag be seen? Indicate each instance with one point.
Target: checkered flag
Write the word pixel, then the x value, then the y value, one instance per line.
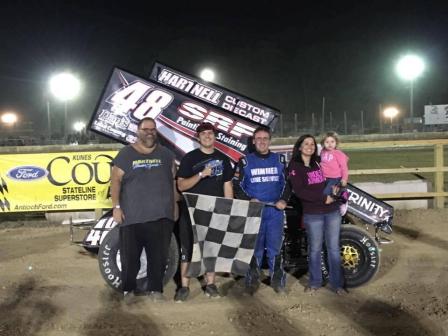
pixel 4 203
pixel 225 232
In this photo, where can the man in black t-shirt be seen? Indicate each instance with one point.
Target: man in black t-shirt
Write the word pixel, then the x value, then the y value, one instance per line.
pixel 142 191
pixel 202 171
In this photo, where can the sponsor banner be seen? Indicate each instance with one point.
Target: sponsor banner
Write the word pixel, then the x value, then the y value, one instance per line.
pixel 436 114
pixel 215 95
pixel 128 99
pixel 367 207
pixel 55 181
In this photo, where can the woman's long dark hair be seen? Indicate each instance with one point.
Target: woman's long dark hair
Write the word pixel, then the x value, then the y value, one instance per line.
pixel 297 155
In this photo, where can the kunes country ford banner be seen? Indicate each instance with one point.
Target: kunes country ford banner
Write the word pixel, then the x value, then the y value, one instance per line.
pixel 128 99
pixel 55 181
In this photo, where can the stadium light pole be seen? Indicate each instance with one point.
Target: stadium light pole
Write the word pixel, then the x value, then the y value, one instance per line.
pixel 64 87
pixel 207 74
pixel 409 68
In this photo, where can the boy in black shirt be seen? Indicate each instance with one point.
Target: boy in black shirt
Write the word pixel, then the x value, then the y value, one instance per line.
pixel 202 171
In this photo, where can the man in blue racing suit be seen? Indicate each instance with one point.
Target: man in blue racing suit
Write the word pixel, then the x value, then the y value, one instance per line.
pixel 261 178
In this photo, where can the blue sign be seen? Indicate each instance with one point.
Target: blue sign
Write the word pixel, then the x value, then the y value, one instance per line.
pixel 27 173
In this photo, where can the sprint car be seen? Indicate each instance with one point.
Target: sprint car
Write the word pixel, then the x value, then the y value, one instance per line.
pixel 363 229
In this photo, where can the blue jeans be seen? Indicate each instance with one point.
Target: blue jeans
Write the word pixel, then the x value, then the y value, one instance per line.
pixel 329 183
pixel 320 227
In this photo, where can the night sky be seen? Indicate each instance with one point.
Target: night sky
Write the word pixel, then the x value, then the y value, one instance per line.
pixel 284 57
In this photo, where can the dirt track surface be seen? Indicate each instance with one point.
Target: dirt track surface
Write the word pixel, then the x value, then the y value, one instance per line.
pixel 49 287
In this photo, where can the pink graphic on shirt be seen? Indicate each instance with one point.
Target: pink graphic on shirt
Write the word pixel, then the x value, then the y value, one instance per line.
pixel 315 177
pixel 326 156
pixel 334 164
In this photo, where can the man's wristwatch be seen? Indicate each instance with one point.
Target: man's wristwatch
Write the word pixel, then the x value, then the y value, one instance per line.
pixel 201 175
pixel 117 206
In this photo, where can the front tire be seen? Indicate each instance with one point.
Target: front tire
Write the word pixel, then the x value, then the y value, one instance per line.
pixel 360 256
pixel 110 263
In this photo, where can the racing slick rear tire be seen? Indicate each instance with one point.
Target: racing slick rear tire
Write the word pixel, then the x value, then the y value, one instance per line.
pixel 110 264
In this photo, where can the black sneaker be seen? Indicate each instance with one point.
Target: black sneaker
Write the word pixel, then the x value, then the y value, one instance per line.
pixel 251 287
pixel 280 290
pixel 182 294
pixel 212 291
pixel 156 296
pixel 141 293
pixel 249 290
pixel 130 298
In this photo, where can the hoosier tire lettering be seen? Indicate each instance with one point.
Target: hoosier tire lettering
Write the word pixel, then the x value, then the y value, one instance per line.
pixel 112 279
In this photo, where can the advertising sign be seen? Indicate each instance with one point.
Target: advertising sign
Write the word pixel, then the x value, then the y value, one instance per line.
pixel 436 114
pixel 128 99
pixel 213 94
pixel 367 207
pixel 55 181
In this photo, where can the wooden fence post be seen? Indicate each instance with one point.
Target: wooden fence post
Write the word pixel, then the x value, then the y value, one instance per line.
pixel 439 201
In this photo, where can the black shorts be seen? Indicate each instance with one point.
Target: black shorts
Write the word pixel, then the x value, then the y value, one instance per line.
pixel 185 233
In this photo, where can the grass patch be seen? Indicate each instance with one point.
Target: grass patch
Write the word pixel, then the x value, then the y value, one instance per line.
pixel 392 158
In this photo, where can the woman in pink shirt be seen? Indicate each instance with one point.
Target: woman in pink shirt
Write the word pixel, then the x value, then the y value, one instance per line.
pixel 334 167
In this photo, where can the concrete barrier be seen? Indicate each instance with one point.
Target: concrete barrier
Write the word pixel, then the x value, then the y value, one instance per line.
pixel 64 217
pixel 397 187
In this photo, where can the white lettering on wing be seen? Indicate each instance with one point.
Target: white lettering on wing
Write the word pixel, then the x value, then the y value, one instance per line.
pixel 370 206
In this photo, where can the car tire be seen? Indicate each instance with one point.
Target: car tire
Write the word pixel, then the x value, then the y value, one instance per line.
pixel 360 257
pixel 110 265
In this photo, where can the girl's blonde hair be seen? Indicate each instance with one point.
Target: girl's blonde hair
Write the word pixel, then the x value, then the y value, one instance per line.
pixel 327 135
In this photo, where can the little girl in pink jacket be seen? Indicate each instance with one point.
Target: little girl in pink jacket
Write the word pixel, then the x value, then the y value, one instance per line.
pixel 334 164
